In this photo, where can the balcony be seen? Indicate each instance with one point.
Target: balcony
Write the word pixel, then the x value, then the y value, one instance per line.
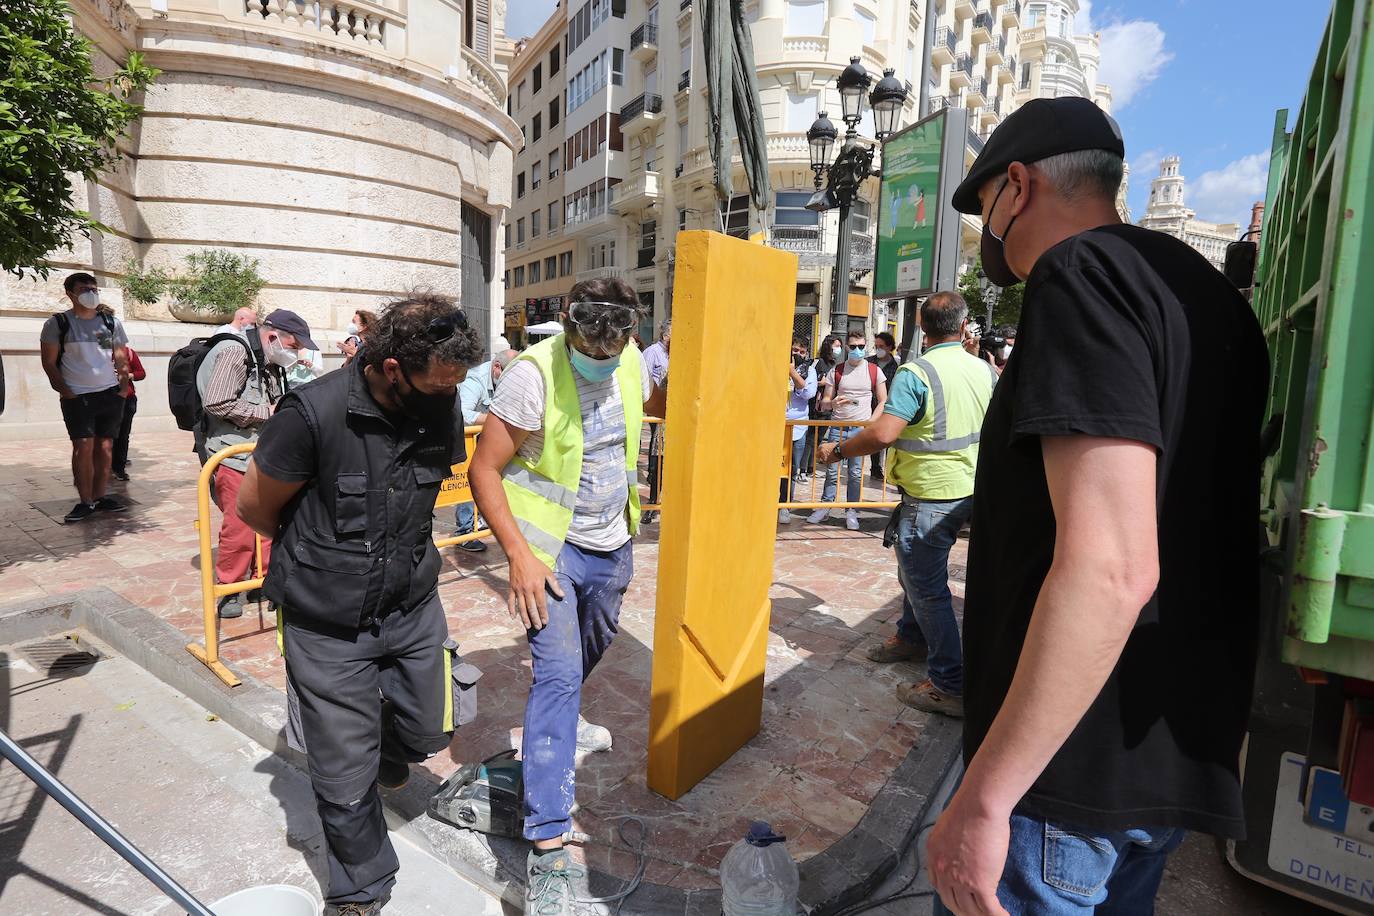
pixel 860 252
pixel 648 106
pixel 997 50
pixel 685 81
pixel 976 95
pixel 644 259
pixel 1011 14
pixel 357 23
pixel 797 239
pixel 789 147
pixel 593 220
pixel 963 9
pixel 975 143
pixel 601 273
pixel 1007 74
pixel 960 74
pixel 945 47
pixel 990 114
pixel 637 194
pixel 805 47
pixel 940 103
pixel 644 43
pixel 982 28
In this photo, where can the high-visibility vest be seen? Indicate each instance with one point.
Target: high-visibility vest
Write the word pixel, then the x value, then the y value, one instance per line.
pixel 935 457
pixel 543 493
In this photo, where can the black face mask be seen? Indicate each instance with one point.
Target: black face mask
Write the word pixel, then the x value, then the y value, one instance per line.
pixel 993 249
pixel 432 408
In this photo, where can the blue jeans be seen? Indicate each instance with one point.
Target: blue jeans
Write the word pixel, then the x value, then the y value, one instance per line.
pixel 926 530
pixel 465 517
pixel 853 468
pixel 581 626
pixel 1057 870
pixel 785 490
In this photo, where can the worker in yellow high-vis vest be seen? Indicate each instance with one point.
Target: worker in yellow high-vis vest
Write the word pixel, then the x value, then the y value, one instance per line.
pixel 555 476
pixel 930 424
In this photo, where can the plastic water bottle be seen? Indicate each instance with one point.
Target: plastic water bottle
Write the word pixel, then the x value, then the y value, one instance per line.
pixel 758 876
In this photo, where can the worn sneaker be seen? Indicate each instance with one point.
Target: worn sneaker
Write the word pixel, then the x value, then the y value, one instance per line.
pixel 851 519
pixel 231 606
pixel 369 908
pixel 392 774
pixel 119 475
pixel 473 547
pixel 549 887
pixel 784 516
pixel 591 737
pixel 80 512
pixel 649 517
pixel 109 504
pixel 818 516
pixel 925 697
pixel 896 649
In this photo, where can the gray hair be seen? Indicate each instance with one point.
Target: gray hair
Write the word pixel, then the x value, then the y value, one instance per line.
pixel 1083 173
pixel 664 328
pixel 505 357
pixel 943 314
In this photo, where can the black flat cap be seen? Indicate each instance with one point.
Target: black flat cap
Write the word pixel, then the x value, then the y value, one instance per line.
pixel 1037 130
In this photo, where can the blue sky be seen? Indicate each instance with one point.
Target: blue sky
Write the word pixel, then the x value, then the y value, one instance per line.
pixel 1200 79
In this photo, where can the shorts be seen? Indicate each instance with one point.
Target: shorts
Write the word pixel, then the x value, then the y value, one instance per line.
pixel 95 415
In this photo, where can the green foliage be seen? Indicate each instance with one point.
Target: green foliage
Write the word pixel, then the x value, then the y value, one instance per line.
pixel 56 120
pixel 217 282
pixel 143 286
pixel 1006 307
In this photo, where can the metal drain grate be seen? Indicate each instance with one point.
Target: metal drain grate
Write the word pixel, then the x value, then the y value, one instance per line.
pixel 58 657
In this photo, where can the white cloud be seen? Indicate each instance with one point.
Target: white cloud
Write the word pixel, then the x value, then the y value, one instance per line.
pixel 1133 53
pixel 1146 165
pixel 1224 195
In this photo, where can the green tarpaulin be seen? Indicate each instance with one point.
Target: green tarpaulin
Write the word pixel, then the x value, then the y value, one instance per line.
pixel 735 112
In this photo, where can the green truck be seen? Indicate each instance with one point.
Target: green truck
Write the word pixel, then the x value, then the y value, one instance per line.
pixel 1309 760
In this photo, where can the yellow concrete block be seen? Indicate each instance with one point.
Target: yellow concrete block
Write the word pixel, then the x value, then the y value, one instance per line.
pixel 732 324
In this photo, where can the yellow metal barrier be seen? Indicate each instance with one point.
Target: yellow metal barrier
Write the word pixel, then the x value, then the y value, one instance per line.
pixel 817 429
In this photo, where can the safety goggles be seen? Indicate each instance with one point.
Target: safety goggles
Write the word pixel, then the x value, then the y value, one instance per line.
pixel 613 317
pixel 445 326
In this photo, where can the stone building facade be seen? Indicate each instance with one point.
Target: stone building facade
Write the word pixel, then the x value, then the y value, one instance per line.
pixel 357 149
pixel 1167 213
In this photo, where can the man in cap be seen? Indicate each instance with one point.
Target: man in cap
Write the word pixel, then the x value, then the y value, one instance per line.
pixel 1129 412
pixel 240 382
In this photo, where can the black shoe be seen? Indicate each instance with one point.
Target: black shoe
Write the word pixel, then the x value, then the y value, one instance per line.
pixel 648 518
pixel 368 908
pixel 80 512
pixel 473 547
pixel 110 504
pixel 392 774
pixel 119 475
pixel 231 606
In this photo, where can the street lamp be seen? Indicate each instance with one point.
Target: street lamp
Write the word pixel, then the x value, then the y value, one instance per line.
pixel 853 165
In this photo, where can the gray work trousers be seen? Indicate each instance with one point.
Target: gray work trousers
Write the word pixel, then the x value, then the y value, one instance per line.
pixel 356 695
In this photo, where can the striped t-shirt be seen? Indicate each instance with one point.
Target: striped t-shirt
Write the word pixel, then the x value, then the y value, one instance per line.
pixel 598 521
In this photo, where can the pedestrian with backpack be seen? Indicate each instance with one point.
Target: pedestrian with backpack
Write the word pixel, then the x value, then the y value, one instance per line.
pixel 239 381
pixel 855 391
pixel 84 354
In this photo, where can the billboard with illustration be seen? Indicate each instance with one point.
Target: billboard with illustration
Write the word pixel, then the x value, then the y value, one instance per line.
pixel 909 210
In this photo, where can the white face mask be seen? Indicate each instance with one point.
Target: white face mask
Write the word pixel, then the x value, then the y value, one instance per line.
pixel 1006 353
pixel 352 328
pixel 90 298
pixel 277 354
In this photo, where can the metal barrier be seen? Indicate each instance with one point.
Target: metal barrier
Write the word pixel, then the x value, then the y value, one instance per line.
pixel 819 429
pixel 455 491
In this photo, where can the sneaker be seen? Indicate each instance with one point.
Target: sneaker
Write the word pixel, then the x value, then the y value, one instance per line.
pixel 231 606
pixel 851 519
pixel 119 475
pixel 818 516
pixel 109 504
pixel 648 518
pixel 784 516
pixel 392 774
pixel 896 649
pixel 80 512
pixel 368 908
pixel 925 697
pixel 591 737
pixel 473 547
pixel 549 883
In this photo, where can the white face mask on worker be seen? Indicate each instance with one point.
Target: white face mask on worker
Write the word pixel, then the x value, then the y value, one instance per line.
pixel 89 299
pixel 277 353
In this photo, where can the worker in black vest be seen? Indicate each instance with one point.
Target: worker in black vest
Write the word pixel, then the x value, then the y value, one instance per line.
pixel 344 479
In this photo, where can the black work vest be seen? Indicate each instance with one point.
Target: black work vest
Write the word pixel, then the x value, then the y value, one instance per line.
pixel 357 542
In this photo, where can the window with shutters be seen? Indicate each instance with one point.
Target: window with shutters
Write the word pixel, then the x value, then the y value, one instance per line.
pixel 477 34
pixel 553 61
pixel 553 113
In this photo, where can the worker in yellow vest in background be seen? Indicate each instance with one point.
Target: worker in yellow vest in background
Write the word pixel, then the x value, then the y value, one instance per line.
pixel 930 423
pixel 555 476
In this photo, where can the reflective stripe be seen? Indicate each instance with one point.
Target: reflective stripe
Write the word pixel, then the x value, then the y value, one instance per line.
pixel 538 537
pixel 540 485
pixel 936 445
pixel 937 394
pixel 448 689
pixel 632 479
pixel 281 632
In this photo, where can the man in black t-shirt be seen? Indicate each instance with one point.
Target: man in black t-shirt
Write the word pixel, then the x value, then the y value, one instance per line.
pixel 1110 621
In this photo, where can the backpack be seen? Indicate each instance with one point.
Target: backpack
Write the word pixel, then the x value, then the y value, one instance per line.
pixel 64 327
pixel 872 380
pixel 183 394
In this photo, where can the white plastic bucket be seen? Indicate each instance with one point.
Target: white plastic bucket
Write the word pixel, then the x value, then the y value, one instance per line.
pixel 268 900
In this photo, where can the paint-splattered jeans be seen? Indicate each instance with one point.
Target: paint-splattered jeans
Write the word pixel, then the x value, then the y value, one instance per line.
pixel 581 627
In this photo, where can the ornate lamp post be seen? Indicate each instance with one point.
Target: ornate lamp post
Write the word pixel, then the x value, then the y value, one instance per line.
pixel 853 165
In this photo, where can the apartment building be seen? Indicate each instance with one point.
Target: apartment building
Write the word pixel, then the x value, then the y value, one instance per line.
pixel 1167 213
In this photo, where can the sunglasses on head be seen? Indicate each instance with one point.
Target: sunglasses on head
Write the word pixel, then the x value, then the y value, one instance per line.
pixel 613 316
pixel 445 326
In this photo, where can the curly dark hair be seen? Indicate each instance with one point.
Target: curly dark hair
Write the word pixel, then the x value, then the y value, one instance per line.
pixel 400 333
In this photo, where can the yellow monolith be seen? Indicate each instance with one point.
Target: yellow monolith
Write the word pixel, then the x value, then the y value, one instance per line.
pixel 732 321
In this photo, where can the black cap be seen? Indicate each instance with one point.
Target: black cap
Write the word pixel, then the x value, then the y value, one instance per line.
pixel 293 324
pixel 1037 130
